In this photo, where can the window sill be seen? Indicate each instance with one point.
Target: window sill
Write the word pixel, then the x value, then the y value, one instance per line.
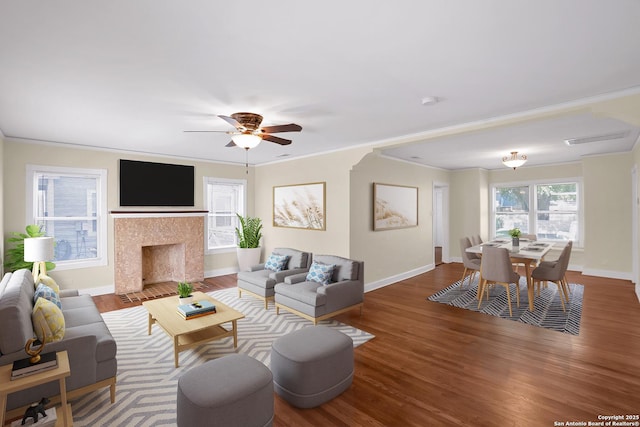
pixel 73 265
pixel 225 250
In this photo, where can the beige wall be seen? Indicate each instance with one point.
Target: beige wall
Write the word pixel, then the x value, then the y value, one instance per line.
pixel 349 176
pixel 608 214
pixel 17 154
pixel 469 213
pixel 333 169
pixel 391 253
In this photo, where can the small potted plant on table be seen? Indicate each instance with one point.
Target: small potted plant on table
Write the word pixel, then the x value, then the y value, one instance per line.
pixel 184 292
pixel 515 236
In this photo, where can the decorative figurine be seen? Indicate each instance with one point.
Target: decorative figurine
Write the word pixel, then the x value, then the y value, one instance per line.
pixel 35 353
pixel 35 409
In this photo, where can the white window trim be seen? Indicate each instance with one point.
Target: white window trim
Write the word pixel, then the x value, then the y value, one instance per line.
pixel 101 210
pixel 213 180
pixel 532 207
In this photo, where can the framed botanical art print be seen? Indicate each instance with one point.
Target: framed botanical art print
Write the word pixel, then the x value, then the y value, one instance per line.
pixel 300 206
pixel 394 206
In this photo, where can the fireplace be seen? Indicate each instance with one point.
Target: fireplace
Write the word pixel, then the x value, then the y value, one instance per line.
pixel 153 247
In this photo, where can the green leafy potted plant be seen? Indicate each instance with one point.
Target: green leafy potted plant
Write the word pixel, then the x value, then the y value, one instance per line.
pixel 185 290
pixel 249 234
pixel 515 236
pixel 14 257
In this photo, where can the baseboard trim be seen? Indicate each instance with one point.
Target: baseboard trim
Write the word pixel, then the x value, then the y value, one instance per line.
pixel 220 272
pixel 396 278
pixel 111 289
pixel 388 280
pixel 607 273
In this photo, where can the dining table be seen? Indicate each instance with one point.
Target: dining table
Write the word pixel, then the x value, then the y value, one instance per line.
pixel 527 252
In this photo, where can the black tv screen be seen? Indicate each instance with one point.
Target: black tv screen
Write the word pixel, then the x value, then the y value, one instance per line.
pixel 155 184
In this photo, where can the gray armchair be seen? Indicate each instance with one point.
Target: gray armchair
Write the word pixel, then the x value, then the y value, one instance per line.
pixel 260 281
pixel 316 301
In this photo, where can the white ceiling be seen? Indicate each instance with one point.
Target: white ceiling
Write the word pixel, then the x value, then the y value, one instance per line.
pixel 133 75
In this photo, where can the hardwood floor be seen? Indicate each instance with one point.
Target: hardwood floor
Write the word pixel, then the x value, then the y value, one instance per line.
pixel 435 365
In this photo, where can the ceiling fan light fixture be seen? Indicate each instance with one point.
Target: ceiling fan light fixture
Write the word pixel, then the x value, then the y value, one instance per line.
pixel 246 140
pixel 514 161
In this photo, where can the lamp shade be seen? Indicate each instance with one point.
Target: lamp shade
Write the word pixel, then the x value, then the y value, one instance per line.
pixel 246 140
pixel 38 249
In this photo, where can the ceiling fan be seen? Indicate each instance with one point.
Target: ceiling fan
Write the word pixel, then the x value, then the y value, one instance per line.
pixel 248 133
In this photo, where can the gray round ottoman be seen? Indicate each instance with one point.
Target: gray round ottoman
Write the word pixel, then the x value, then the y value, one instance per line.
pixel 312 365
pixel 234 390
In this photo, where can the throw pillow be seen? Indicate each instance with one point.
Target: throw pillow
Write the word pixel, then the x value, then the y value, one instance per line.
pixel 47 318
pixel 320 273
pixel 43 291
pixel 43 278
pixel 276 262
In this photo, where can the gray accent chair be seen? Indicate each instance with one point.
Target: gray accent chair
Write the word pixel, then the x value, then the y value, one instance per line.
pixel 315 301
pixel 260 282
pixel 497 269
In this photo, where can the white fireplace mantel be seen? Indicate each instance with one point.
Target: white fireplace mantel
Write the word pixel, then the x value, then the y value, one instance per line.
pixel 156 214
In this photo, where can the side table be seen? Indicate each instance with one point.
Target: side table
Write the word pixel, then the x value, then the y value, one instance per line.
pixel 60 373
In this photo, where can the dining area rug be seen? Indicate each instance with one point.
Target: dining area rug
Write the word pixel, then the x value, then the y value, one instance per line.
pixel 547 314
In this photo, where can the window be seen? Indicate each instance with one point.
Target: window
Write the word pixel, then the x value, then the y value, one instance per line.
pixel 70 205
pixel 224 198
pixel 551 211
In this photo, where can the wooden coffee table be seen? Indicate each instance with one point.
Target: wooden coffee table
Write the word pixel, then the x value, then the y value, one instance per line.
pixel 192 332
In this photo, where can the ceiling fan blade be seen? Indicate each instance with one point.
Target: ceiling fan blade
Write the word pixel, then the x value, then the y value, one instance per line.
pixel 233 122
pixel 276 139
pixel 231 144
pixel 291 127
pixel 218 131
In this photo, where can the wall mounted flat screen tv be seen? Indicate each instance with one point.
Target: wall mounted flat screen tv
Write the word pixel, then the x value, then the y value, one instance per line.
pixel 156 184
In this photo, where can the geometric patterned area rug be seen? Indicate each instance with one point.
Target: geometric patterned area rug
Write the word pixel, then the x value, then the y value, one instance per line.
pixel 548 312
pixel 147 379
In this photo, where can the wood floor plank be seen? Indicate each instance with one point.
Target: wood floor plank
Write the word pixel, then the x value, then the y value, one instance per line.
pixel 431 364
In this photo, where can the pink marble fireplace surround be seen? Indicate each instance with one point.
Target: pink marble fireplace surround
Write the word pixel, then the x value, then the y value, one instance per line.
pixel 153 247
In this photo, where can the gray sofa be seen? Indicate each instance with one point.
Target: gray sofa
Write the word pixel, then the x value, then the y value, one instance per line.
pixel 90 346
pixel 315 301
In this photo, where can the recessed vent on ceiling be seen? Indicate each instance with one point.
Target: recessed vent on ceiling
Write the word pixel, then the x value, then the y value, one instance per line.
pixel 597 138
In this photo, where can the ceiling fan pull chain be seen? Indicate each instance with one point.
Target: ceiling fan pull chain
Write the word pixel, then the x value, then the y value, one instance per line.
pixel 246 159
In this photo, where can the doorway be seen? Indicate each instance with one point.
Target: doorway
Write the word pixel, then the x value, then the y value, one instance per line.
pixel 440 219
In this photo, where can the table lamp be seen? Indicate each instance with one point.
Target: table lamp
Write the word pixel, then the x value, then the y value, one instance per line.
pixel 38 250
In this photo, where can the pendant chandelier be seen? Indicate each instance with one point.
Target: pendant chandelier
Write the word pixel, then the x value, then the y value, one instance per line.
pixel 514 161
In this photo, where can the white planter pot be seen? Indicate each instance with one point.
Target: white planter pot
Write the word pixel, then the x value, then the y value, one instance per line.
pixel 185 300
pixel 248 257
